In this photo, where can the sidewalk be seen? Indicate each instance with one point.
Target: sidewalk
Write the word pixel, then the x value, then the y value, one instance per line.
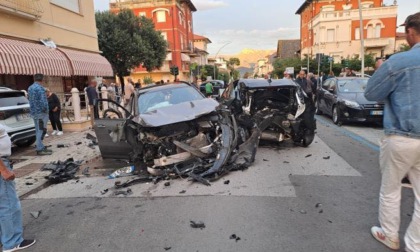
pixel 27 164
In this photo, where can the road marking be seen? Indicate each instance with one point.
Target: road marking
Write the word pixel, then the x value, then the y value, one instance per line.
pixel 350 134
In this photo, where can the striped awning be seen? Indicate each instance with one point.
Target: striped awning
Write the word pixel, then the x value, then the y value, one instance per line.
pixel 88 64
pixel 25 58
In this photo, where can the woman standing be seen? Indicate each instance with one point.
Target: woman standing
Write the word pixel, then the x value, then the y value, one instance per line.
pixel 54 113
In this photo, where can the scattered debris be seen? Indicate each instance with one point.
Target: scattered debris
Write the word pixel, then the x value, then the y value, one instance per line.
pixel 90 137
pixel 226 182
pixel 318 205
pixel 123 172
pixel 265 160
pixel 78 143
pixel 36 214
pixel 167 183
pixel 62 171
pixel 198 224
pixel 182 192
pixel 321 211
pixel 329 221
pixel 286 162
pixel 63 145
pixel 327 157
pixel 309 155
pixel 86 172
pixel 29 183
pixel 125 193
pixel 235 237
pixel 303 212
pixel 167 248
pixel 104 191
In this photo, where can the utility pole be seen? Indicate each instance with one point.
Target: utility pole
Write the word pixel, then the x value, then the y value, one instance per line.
pixel 215 58
pixel 362 39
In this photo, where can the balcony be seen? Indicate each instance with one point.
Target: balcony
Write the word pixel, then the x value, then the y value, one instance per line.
pixel 376 42
pixel 28 9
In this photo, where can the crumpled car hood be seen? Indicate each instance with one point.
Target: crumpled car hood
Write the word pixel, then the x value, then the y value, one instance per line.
pixel 182 112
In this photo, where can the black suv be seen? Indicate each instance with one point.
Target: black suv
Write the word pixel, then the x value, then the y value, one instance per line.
pixel 14 115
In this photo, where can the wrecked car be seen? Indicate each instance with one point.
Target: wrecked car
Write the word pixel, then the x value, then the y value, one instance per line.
pixel 277 107
pixel 173 130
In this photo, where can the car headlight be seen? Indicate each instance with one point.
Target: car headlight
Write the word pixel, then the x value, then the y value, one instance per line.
pixel 351 104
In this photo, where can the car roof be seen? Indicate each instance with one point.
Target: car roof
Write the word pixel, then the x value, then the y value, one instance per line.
pixel 8 90
pixel 160 87
pixel 351 78
pixel 263 83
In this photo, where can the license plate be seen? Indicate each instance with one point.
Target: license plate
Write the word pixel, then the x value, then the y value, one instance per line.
pixel 377 112
pixel 22 117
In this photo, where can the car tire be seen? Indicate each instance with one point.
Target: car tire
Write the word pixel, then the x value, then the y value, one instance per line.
pixel 308 138
pixel 317 109
pixel 26 143
pixel 336 118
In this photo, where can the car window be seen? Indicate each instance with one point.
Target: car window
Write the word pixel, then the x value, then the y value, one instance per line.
pixel 8 99
pixel 168 97
pixel 352 85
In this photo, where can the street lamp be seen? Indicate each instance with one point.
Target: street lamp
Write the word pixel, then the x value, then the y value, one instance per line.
pixel 215 58
pixel 362 39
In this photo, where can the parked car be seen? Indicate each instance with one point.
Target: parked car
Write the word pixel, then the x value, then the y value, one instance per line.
pixel 343 99
pixel 217 85
pixel 14 115
pixel 277 107
pixel 175 129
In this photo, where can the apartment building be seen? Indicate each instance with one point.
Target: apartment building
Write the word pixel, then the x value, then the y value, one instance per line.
pixel 333 27
pixel 55 37
pixel 174 19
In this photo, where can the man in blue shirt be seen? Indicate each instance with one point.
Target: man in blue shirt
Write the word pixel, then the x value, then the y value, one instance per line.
pixel 39 111
pixel 397 83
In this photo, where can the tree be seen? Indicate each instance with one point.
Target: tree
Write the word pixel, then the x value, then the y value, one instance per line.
pixel 128 41
pixel 404 48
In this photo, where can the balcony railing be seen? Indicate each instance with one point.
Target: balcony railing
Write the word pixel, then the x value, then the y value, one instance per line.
pixel 29 9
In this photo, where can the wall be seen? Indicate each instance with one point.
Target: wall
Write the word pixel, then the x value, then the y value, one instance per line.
pixel 64 27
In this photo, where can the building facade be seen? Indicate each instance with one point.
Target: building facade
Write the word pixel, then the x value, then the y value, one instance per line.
pixel 55 37
pixel 174 19
pixel 200 54
pixel 332 27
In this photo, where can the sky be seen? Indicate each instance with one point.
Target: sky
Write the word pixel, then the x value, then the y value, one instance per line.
pixel 257 24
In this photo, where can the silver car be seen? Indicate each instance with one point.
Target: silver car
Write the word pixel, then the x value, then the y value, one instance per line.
pixel 14 115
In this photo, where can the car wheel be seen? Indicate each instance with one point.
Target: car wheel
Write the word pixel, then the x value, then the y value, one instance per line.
pixel 308 138
pixel 26 143
pixel 317 109
pixel 336 115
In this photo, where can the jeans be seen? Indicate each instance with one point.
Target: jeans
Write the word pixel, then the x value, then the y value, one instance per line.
pixel 11 227
pixel 399 156
pixel 55 120
pixel 40 130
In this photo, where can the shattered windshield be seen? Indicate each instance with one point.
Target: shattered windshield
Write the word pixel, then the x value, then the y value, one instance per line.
pixel 168 97
pixel 352 86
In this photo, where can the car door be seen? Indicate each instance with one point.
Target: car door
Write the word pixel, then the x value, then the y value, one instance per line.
pixel 330 95
pixel 103 128
pixel 321 95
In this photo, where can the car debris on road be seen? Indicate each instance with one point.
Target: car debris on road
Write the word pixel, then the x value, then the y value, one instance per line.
pixel 62 171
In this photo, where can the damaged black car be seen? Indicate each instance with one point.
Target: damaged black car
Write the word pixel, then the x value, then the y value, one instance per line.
pixel 173 130
pixel 277 107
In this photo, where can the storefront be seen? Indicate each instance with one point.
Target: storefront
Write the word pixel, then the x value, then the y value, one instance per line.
pixel 64 68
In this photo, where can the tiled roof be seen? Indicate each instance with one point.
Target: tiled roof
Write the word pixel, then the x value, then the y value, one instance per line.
pixel 199 37
pixel 288 48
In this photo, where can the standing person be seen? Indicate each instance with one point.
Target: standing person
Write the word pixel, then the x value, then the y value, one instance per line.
pixel 286 75
pixel 314 81
pixel 39 111
pixel 54 113
pixel 209 89
pixel 129 90
pixel 92 97
pixel 11 228
pixel 396 82
pixel 138 84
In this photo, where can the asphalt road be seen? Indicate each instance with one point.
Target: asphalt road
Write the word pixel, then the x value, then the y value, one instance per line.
pixel 321 198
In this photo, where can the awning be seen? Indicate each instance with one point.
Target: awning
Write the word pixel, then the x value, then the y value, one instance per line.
pixel 185 57
pixel 168 57
pixel 25 58
pixel 88 64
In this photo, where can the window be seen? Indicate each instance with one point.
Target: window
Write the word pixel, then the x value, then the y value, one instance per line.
pixel 330 35
pixel 370 31
pixel 378 28
pixel 165 35
pixel 161 16
pixel 357 33
pixel 142 14
pixel 72 5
